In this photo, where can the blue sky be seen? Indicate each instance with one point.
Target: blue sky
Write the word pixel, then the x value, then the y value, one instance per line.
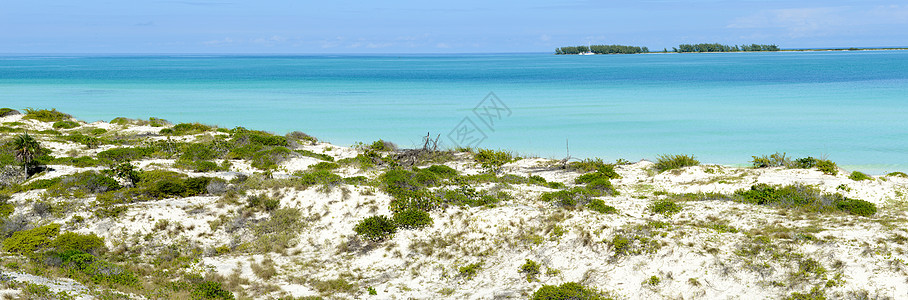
pixel 392 26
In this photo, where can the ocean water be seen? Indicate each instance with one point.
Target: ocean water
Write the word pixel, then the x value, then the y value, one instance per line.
pixel 851 107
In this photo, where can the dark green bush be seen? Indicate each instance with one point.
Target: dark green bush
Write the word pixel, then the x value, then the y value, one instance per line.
pixel 531 269
pixel 598 205
pixel 97 131
pixel 308 153
pixel 79 162
pixel 98 270
pixel 576 196
pixel 320 177
pixel 442 171
pixel 858 176
pixel 897 174
pixel 125 154
pixel 44 115
pixel 89 182
pixel 270 158
pixel 827 167
pixel 567 291
pixel 665 207
pixel 375 228
pixel 589 165
pixel 88 243
pixel 8 112
pixel 492 160
pixel 324 166
pixel 211 290
pixel 42 183
pixel 856 207
pixel 468 196
pixel 412 219
pixel 27 242
pixel 188 128
pixel 774 160
pixel 824 165
pixel 667 162
pixel 65 125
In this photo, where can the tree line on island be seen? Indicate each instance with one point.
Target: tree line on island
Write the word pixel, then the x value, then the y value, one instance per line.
pixel 683 48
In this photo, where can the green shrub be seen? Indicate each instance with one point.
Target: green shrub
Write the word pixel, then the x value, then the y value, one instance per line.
pixel 470 271
pixel 599 206
pixel 42 183
pixel 897 174
pixel 571 198
pixel 319 177
pixel 44 115
pixel 308 153
pixel 567 291
pixel 188 128
pixel 270 158
pixel 89 182
pixel 412 219
pixel 8 112
pixel 263 202
pixel 665 207
pixel 244 137
pixel 279 231
pixel 324 166
pixel 804 197
pixel 827 167
pixel 668 162
pixel 589 165
pixel 381 145
pixel 531 269
pixel 66 125
pixel 27 242
pixel 211 290
pixel 774 160
pixel 98 270
pixel 858 176
pixel 468 196
pixel 442 171
pixel 492 160
pixel 125 154
pixel 375 228
pixel 97 131
pixel 88 243
pixel 856 207
pixel 79 162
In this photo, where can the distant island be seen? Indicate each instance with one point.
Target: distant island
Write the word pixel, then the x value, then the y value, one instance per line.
pixel 694 48
pixel 601 49
pixel 716 47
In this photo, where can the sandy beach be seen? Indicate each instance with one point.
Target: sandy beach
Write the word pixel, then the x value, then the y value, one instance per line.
pixel 707 247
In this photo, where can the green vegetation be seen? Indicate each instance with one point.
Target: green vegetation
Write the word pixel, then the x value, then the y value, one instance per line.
pixel 65 125
pixel 492 160
pixel 602 49
pixel 186 129
pixel 723 48
pixel 26 149
pixel 805 198
pixel 8 112
pixel 44 115
pixel 858 176
pixel 574 197
pixel 897 174
pixel 599 206
pixel 27 242
pixel 773 160
pixel 567 291
pixel 412 219
pixel 530 269
pixel 153 122
pixel 470 271
pixel 665 207
pixel 667 162
pixel 376 228
pixel 824 165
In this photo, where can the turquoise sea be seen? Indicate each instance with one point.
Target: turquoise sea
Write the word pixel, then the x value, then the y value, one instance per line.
pixel 851 107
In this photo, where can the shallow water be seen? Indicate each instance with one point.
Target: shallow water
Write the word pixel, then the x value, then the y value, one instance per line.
pixel 723 108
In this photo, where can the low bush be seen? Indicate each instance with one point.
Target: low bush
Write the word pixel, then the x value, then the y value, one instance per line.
pixel 308 153
pixel 773 160
pixel 125 154
pixel 442 171
pixel 599 206
pixel 381 145
pixel 824 165
pixel 28 242
pixel 375 228
pixel 300 136
pixel 98 270
pixel 79 162
pixel 468 196
pixel 65 125
pixel 574 197
pixel 79 184
pixel 897 174
pixel 211 290
pixel 492 160
pixel 270 158
pixel 858 176
pixel 71 241
pixel 8 112
pixel 804 197
pixel 667 162
pixel 279 231
pixel 44 115
pixel 530 268
pixel 324 166
pixel 470 271
pixel 186 129
pixel 567 291
pixel 665 207
pixel 412 219
pixel 319 177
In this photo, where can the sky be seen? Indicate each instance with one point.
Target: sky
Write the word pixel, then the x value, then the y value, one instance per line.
pixel 468 26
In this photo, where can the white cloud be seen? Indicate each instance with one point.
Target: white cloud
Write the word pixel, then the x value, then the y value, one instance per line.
pixel 819 21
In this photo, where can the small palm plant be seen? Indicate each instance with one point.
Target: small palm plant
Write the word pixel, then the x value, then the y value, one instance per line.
pixel 27 148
